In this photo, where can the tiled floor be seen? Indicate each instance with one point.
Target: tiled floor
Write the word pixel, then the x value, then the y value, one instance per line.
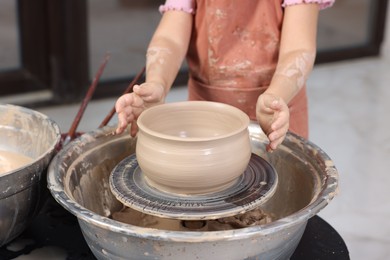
pixel 349 102
pixel 348 119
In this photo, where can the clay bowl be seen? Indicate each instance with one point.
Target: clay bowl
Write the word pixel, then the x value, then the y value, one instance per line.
pixel 27 133
pixel 193 147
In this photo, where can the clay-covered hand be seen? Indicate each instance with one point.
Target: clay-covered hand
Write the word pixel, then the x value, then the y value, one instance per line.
pixel 130 106
pixel 273 115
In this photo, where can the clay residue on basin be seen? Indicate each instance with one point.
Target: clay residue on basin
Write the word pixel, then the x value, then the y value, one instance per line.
pixel 87 176
pixel 10 161
pixel 251 218
pixel 27 132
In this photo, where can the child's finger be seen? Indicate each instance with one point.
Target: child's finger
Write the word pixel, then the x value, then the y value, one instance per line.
pixel 133 128
pixel 274 144
pixel 121 123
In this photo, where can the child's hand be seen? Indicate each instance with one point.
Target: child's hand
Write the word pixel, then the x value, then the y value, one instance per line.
pixel 130 106
pixel 273 116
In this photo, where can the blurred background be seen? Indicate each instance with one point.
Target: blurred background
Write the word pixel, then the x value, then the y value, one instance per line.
pixel 51 50
pixel 56 47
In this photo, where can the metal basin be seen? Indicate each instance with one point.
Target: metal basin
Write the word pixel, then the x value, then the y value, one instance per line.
pixel 78 180
pixel 32 134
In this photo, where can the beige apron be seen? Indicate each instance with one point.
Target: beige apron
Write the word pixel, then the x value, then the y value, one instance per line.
pixel 233 54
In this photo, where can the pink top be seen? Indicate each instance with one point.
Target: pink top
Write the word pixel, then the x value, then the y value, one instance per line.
pixel 189 5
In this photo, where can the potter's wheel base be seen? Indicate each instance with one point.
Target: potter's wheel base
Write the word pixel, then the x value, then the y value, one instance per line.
pixel 254 187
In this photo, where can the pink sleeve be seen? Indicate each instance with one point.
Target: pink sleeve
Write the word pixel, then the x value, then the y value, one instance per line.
pixel 323 3
pixel 187 6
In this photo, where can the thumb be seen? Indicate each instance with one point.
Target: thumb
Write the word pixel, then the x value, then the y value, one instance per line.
pixel 149 92
pixel 271 100
pixel 140 90
pixel 270 103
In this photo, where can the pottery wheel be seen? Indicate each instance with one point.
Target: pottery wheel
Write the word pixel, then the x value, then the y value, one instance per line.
pixel 254 187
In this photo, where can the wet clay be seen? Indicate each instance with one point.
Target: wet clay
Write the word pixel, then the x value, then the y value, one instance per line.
pixel 196 143
pixel 136 218
pixel 10 161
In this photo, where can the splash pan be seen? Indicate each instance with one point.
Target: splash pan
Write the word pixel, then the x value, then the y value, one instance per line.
pixel 79 175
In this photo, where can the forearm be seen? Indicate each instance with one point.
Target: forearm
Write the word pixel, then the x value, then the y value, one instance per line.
pixel 291 74
pixel 168 48
pixel 162 63
pixel 297 51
